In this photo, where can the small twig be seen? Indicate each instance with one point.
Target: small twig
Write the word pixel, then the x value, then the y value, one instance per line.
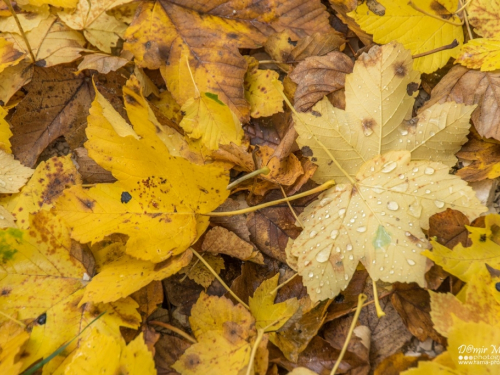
pixel 318 189
pixel 263 170
pixel 180 332
pixel 219 278
pixel 410 3
pixel 361 300
pixel 291 208
pixel 439 49
pixel 11 9
pixel 380 312
pixel 466 17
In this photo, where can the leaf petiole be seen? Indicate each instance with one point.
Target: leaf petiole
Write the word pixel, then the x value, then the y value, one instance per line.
pixel 380 312
pixel 263 170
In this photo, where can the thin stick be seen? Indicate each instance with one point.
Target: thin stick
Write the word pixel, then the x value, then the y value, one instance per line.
pixel 263 170
pixel 380 312
pixel 361 300
pixel 318 189
pixel 14 320
pixel 11 9
pixel 180 332
pixel 291 208
pixel 275 84
pixel 410 3
pixel 283 284
pixel 260 335
pixel 466 17
pixel 218 278
pixel 439 49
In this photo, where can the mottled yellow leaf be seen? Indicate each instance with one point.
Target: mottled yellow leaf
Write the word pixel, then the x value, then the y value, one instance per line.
pixel 224 333
pixel 483 15
pixel 13 175
pixel 157 198
pixel 5 132
pixel 483 54
pixel 12 338
pixel 264 99
pixel 50 178
pixel 267 314
pixel 9 56
pixel 211 121
pixel 102 63
pixel 414 29
pixel 199 273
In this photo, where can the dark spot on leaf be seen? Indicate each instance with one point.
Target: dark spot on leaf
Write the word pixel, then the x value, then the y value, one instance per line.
pixel 482 238
pixel 6 291
pixel 42 319
pixel 41 63
pixel 183 113
pixel 87 203
pixel 493 271
pixel 314 160
pixel 440 10
pixel 368 124
pixel 315 113
pixel 131 100
pixel 191 361
pixel 497 286
pixel 400 69
pixel 306 151
pixel 232 35
pixel 339 298
pixel 292 42
pixel 147 45
pixel 411 88
pixel 126 197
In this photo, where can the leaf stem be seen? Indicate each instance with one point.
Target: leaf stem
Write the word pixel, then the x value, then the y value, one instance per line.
pixel 180 332
pixel 11 9
pixel 466 17
pixel 380 312
pixel 275 84
pixel 439 49
pixel 260 335
pixel 282 284
pixel 326 185
pixel 410 3
pixel 219 278
pixel 291 208
pixel 361 300
pixel 263 170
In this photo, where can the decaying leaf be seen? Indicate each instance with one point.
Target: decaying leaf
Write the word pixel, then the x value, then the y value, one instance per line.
pixel 145 202
pixel 449 228
pixel 418 31
pixel 483 54
pixel 198 272
pixel 102 63
pixel 482 15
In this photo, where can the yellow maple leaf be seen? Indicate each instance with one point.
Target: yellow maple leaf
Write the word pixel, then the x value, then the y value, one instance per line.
pixel 211 121
pixel 260 92
pixel 416 30
pixel 224 333
pixel 12 338
pixel 9 56
pixel 100 29
pixel 483 54
pixel 47 183
pixel 157 198
pixel 267 314
pixel 376 216
pixel 128 274
pixel 103 354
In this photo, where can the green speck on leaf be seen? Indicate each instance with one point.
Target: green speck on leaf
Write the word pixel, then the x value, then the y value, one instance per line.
pixel 214 97
pixel 382 238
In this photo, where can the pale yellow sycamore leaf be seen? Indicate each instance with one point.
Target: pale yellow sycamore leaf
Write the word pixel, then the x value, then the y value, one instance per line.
pixel 157 198
pixel 29 20
pixel 13 175
pixel 379 100
pixel 376 220
pixel 211 121
pixel 102 62
pixel 100 29
pixel 483 54
pixel 415 30
pixel 267 314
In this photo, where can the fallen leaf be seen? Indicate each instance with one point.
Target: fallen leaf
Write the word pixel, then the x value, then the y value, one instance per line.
pixel 14 78
pixel 427 32
pixel 99 28
pixel 13 175
pixel 199 273
pixel 260 93
pixel 215 59
pixel 481 16
pixel 49 180
pixel 449 228
pixel 90 171
pixel 148 298
pixel 462 85
pixel 12 338
pixel 148 188
pixel 318 76
pixel 7 220
pixel 9 56
pixel 219 240
pixel 268 315
pixel 224 333
pixel 252 275
pixel 284 167
pixel 398 362
pixel 483 54
pixel 102 63
pixel 5 132
pixel 168 350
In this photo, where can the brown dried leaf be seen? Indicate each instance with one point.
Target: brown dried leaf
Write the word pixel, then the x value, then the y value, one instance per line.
pixel 219 240
pixel 236 224
pixel 91 171
pixel 252 275
pixel 102 62
pixel 462 85
pixel 449 228
pixel 319 76
pixel 282 170
pixel 413 305
pixel 168 350
pixel 148 298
